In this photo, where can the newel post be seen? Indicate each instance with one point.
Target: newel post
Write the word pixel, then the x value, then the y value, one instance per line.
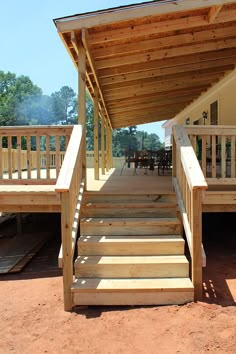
pixel 196 227
pixel 66 222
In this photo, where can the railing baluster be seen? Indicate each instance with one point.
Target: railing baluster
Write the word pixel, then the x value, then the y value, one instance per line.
pixel 204 155
pixel 9 165
pixel 58 157
pixel 47 157
pixel 223 157
pixel 38 157
pixel 213 156
pixel 19 169
pixel 28 142
pixel 232 156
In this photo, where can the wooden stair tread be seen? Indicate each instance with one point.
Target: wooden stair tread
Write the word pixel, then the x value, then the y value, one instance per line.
pixel 163 205
pixel 127 197
pixel 130 221
pixel 132 285
pixel 131 239
pixel 118 194
pixel 86 260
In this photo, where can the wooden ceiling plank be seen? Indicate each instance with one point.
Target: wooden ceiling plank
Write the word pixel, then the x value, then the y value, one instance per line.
pixel 157 104
pixel 136 115
pixel 166 53
pixel 162 94
pixel 131 12
pixel 213 13
pixel 145 119
pixel 169 62
pixel 160 43
pixel 174 70
pixel 139 32
pixel 158 88
pixel 153 104
pixel 210 72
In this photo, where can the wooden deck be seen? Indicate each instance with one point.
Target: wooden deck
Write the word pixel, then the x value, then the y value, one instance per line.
pixel 113 182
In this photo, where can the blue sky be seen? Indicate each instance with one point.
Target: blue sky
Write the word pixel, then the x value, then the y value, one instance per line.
pixel 31 46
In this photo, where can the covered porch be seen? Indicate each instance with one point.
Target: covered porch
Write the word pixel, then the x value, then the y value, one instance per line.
pixel 139 64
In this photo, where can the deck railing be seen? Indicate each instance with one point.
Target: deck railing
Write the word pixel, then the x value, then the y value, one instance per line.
pixel 190 184
pixel 70 186
pixel 32 153
pixel 215 150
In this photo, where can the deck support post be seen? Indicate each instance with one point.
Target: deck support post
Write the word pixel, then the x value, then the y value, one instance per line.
pixel 95 141
pixel 107 147
pixel 196 226
pixel 82 100
pixel 103 145
pixel 111 158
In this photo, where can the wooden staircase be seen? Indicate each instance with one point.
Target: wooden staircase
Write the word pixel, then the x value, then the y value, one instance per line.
pixel 131 252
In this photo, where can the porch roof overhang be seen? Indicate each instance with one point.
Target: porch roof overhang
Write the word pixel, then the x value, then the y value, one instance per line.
pixel 151 60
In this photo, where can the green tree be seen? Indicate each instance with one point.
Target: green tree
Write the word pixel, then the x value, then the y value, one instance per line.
pixel 124 139
pixel 64 106
pixel 13 91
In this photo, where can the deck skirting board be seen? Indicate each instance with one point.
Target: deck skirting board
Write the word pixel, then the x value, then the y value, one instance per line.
pixel 29 198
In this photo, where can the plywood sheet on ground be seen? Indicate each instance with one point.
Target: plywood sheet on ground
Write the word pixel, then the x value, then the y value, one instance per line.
pixel 20 250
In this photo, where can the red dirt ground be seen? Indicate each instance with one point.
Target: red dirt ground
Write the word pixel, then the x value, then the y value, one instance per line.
pixel 33 320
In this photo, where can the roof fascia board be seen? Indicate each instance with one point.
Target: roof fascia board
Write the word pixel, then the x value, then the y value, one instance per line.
pixel 133 12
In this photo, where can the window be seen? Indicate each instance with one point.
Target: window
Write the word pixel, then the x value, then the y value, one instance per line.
pixel 214 113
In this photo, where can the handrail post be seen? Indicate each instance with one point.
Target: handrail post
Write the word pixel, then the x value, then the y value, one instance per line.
pixel 196 226
pixel 66 223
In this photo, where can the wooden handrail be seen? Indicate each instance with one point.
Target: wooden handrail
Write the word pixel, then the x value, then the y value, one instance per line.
pixel 34 130
pixel 224 130
pixel 70 187
pixel 192 169
pixel 189 184
pixel 67 170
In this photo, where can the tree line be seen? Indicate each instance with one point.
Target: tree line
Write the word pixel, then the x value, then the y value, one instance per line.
pixel 23 103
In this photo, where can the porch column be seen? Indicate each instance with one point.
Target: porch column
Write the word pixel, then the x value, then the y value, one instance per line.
pixel 110 148
pixel 82 101
pixel 103 144
pixel 95 141
pixel 107 147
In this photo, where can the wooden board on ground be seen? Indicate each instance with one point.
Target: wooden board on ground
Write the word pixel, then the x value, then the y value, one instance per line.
pixel 20 250
pixel 6 217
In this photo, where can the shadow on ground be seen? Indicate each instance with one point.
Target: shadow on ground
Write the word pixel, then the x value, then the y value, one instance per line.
pixel 44 263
